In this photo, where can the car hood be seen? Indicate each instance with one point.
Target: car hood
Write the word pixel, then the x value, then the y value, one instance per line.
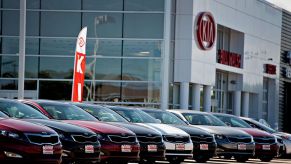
pixel 23 126
pixel 283 135
pixel 224 130
pixel 256 132
pixel 165 129
pixel 100 127
pixel 191 130
pixel 137 129
pixel 61 126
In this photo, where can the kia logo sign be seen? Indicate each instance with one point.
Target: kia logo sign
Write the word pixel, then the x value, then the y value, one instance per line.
pixel 205 30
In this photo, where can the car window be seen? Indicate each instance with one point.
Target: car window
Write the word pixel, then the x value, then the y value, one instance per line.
pixel 166 117
pixel 233 121
pixel 67 112
pixel 18 110
pixel 2 115
pixel 103 114
pixel 136 116
pixel 202 119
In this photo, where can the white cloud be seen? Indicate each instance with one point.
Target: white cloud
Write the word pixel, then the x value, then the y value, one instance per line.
pixel 285 4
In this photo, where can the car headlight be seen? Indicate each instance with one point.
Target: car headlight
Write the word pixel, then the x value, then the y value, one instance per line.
pixel 61 135
pixel 252 139
pixel 9 134
pixel 219 136
pixel 286 137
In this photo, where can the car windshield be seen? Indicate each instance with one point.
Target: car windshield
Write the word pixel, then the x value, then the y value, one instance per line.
pixel 135 115
pixel 202 119
pixel 102 113
pixel 233 121
pixel 18 110
pixel 261 126
pixel 66 112
pixel 165 117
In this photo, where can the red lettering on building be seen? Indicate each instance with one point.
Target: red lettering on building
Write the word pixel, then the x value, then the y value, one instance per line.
pixel 229 58
pixel 270 69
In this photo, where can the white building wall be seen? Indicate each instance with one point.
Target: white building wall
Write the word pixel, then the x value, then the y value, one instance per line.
pixel 260 23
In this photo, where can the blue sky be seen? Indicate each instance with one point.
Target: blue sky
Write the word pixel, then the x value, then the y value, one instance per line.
pixel 286 4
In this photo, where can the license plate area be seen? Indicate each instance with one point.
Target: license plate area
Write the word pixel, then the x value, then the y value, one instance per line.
pixel 152 148
pixel 203 146
pixel 126 148
pixel 89 149
pixel 180 147
pixel 266 147
pixel 242 147
pixel 47 149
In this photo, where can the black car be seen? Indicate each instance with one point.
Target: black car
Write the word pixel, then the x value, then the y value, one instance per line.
pixel 204 144
pixel 151 143
pixel 79 144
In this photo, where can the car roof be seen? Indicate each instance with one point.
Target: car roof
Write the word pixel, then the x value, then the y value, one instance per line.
pixel 223 114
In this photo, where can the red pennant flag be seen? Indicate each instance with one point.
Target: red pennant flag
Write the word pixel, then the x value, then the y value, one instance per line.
pixel 79 66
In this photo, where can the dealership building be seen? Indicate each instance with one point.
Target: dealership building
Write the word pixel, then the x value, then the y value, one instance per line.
pixel 209 55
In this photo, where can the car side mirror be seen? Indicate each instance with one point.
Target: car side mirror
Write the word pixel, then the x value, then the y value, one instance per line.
pixel 159 121
pixel 186 122
pixel 227 123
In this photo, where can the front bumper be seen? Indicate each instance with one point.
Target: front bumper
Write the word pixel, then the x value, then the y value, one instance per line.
pixel 159 154
pixel 272 151
pixel 199 151
pixel 73 151
pixel 232 149
pixel 29 152
pixel 112 151
pixel 171 150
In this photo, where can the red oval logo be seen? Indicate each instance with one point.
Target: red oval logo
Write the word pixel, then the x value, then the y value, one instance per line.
pixel 81 42
pixel 206 30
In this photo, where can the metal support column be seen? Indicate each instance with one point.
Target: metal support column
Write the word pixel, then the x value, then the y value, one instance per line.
pixel 237 103
pixel 207 98
pixel 22 33
pixel 245 104
pixel 166 57
pixel 184 95
pixel 195 97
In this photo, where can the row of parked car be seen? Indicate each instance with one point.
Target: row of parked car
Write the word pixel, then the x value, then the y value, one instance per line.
pixel 49 131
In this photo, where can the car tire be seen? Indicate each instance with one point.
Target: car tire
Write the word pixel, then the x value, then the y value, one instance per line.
pixel 266 159
pixel 176 160
pixel 241 159
pixel 227 157
pixel 201 159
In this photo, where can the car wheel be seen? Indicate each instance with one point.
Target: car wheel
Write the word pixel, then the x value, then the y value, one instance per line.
pixel 176 160
pixel 201 159
pixel 227 157
pixel 266 159
pixel 241 159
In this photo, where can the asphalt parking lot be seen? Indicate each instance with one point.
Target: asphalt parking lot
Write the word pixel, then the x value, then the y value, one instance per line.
pixel 219 161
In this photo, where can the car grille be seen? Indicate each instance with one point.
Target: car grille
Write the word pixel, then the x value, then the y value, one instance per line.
pixel 84 139
pixel 122 139
pixel 264 140
pixel 42 139
pixel 149 139
pixel 201 138
pixel 177 139
pixel 239 139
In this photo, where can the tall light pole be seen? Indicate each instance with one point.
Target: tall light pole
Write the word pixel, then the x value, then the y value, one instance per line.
pixel 21 66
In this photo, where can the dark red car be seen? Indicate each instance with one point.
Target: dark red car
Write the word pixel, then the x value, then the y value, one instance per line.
pixel 267 146
pixel 117 143
pixel 26 142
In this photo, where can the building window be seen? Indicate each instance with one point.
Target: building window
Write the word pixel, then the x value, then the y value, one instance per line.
pixel 265 99
pixel 223 38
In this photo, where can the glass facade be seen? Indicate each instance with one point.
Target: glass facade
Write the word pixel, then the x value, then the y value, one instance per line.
pixel 124 48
